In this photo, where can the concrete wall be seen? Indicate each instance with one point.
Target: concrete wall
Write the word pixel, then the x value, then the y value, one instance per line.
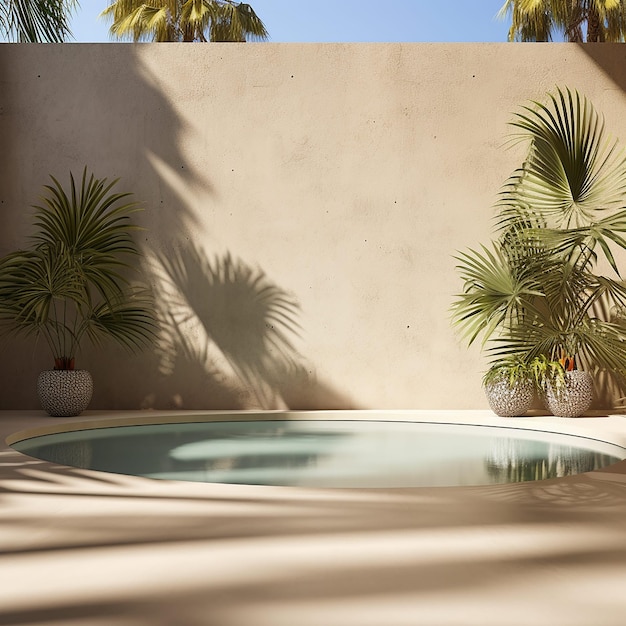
pixel 329 184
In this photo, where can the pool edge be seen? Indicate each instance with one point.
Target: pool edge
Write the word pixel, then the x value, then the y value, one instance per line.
pixel 607 428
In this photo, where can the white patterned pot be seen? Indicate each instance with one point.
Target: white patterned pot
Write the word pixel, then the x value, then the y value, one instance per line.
pixel 574 398
pixel 508 400
pixel 64 393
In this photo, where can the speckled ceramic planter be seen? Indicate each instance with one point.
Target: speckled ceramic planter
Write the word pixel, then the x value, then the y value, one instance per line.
pixel 575 398
pixel 508 400
pixel 64 393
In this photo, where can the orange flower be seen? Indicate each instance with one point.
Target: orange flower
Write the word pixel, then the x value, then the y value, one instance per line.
pixel 568 362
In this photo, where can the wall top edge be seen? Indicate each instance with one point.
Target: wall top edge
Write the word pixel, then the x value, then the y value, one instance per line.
pixel 323 44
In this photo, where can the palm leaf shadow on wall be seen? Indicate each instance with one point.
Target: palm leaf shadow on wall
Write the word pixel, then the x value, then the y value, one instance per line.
pixel 249 324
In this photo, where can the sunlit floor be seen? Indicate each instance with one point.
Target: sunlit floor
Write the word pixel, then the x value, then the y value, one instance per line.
pixel 86 548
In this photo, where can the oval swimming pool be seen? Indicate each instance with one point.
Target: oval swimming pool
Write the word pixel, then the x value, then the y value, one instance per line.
pixel 325 453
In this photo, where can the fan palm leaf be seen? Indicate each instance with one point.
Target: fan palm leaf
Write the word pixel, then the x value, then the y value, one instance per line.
pixel 573 172
pixel 493 296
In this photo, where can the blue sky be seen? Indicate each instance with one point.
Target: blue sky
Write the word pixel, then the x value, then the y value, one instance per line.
pixel 349 20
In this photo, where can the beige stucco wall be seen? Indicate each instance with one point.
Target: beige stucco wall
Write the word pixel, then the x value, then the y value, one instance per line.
pixel 345 175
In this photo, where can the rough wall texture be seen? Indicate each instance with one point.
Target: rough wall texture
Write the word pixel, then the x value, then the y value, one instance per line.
pixel 302 205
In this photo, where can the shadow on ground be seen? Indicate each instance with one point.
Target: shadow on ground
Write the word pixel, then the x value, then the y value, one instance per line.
pixel 93 548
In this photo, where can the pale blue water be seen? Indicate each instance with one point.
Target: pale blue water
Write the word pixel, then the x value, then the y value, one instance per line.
pixel 316 453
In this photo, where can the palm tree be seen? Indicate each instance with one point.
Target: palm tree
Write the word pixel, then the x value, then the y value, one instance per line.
pixel 561 215
pixel 184 20
pixel 74 281
pixel 31 21
pixel 539 20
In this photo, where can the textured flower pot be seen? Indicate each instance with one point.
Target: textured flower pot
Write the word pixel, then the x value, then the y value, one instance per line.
pixel 508 400
pixel 64 393
pixel 574 398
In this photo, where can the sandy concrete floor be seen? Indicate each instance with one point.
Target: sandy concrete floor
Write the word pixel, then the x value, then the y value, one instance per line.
pixel 86 548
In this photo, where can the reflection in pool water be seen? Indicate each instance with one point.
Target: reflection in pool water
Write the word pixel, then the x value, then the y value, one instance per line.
pixel 326 453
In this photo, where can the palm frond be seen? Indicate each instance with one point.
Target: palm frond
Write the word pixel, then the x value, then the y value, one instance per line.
pixel 75 277
pixel 541 20
pixel 92 224
pixel 129 321
pixel 188 20
pixel 573 170
pixel 31 21
pixel 31 281
pixel 237 21
pixel 493 295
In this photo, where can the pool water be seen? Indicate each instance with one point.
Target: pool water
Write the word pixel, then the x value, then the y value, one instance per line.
pixel 326 453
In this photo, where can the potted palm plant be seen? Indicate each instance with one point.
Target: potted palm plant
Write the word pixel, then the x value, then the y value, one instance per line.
pixel 535 293
pixel 75 282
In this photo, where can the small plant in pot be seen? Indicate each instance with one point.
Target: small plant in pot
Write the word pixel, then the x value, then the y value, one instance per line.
pixel 510 387
pixel 75 282
pixel 565 390
pixel 535 294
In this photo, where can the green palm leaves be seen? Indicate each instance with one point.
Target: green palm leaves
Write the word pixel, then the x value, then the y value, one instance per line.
pixel 30 21
pixel 573 173
pixel 495 294
pixel 190 20
pixel 561 214
pixel 537 20
pixel 74 280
